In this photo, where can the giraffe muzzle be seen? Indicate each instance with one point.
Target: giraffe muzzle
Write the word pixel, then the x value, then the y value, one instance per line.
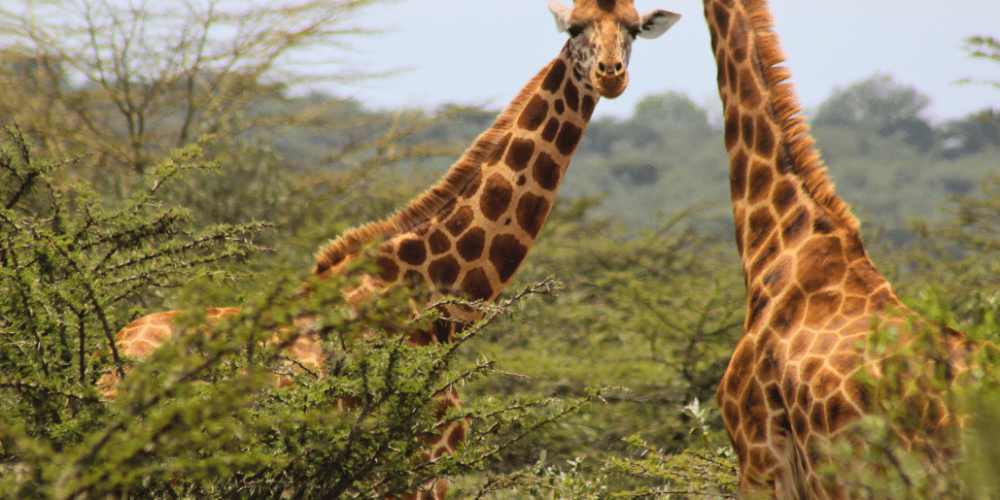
pixel 612 85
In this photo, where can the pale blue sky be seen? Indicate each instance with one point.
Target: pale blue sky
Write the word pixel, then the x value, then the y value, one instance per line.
pixel 483 51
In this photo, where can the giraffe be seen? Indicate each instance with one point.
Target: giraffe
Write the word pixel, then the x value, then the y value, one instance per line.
pixel 468 234
pixel 791 388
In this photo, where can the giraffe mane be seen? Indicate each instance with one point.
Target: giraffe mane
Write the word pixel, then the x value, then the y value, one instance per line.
pixel 798 143
pixel 430 202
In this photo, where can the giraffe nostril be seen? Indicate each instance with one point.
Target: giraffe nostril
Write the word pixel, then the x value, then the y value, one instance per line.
pixel 601 67
pixel 618 67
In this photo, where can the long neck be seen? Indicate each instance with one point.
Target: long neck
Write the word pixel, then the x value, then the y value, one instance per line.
pixel 791 229
pixel 471 231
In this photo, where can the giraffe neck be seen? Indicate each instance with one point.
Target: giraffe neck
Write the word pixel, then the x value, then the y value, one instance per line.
pixel 470 233
pixel 795 237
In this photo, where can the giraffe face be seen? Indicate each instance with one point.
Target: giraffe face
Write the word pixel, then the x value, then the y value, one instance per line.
pixel 601 35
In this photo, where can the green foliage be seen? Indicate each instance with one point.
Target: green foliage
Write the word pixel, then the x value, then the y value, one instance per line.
pixel 706 469
pixel 202 416
pixel 983 47
pixel 956 257
pixel 935 393
pixel 655 316
pixel 70 262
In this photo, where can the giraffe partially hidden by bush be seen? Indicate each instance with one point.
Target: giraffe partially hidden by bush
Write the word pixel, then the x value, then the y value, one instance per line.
pixel 792 389
pixel 469 234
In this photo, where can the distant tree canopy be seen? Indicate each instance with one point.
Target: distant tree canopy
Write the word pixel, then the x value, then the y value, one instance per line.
pixel 671 110
pixel 872 104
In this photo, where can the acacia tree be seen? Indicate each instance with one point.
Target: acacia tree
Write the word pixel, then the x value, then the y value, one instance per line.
pixel 128 81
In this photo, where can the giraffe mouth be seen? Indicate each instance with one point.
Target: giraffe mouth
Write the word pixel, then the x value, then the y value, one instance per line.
pixel 611 86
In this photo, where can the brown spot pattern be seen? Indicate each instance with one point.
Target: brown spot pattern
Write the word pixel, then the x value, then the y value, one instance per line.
pixel 551 127
pixel 862 279
pixel 721 77
pixel 569 137
pixel 531 213
pixel 761 224
pixel 746 130
pixel 533 114
pixel 825 383
pixel 839 412
pixel 817 418
pixel 760 181
pixel 388 270
pixel 442 330
pixel 444 271
pixel 438 242
pixel 739 32
pixel 476 285
pixel 755 410
pixel 721 17
pixel 732 127
pixel 519 154
pixel 456 438
pixel 777 277
pixel 458 222
pixel 587 107
pixel 545 171
pixel 784 196
pixel 766 256
pixel 826 260
pixel 765 138
pixel 795 228
pixel 497 193
pixel 821 306
pixel 738 175
pixel 554 77
pixel 572 96
pixel 740 367
pixel 470 246
pixel 559 106
pixel 506 254
pixel 412 251
pixel 789 312
pixel 758 301
pixel 731 69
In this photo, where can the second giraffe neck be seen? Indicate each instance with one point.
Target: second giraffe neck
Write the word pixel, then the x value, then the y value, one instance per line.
pixel 791 229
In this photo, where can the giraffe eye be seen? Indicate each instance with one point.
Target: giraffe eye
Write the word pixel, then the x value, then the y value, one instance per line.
pixel 574 31
pixel 634 32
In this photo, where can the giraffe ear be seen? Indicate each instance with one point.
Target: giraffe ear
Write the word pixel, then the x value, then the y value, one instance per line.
pixel 561 13
pixel 656 22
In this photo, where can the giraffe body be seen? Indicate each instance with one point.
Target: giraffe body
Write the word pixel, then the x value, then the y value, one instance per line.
pixel 469 234
pixel 791 388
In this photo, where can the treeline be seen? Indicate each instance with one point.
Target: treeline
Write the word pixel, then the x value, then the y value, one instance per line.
pixel 889 161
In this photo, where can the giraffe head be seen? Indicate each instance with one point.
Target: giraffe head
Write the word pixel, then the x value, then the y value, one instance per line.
pixel 601 35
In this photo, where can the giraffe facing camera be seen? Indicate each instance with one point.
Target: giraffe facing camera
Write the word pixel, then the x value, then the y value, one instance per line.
pixel 601 35
pixel 468 234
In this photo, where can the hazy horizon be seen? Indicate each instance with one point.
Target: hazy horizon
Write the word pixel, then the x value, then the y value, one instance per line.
pixel 482 52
